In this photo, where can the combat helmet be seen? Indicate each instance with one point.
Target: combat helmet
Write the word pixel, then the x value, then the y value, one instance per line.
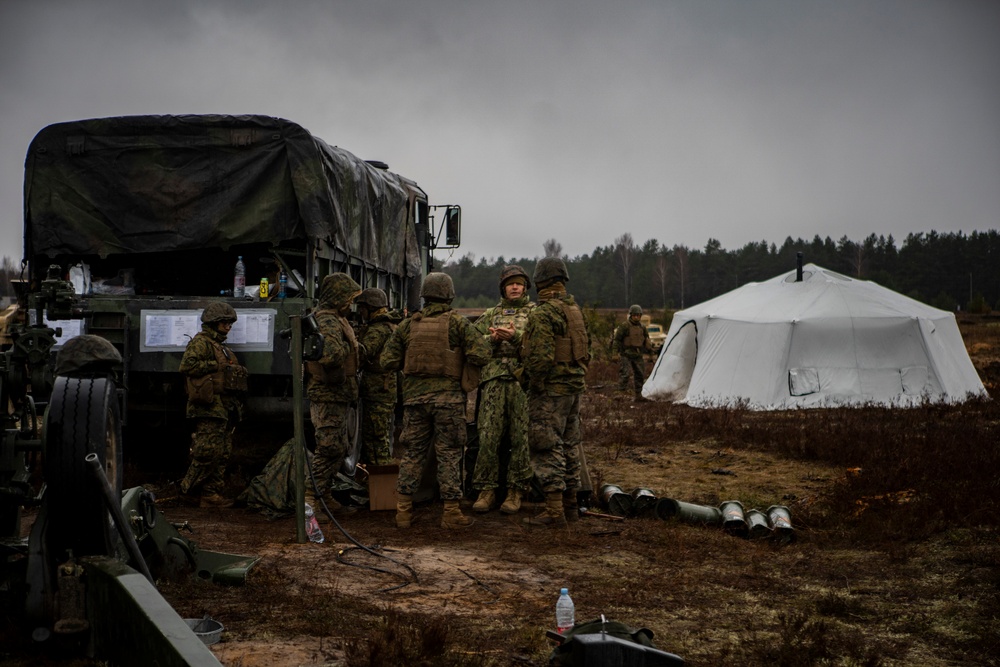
pixel 217 311
pixel 372 297
pixel 635 309
pixel 337 290
pixel 513 271
pixel 87 354
pixel 549 269
pixel 438 287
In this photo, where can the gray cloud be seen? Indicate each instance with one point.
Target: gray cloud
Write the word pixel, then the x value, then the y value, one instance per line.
pixel 671 120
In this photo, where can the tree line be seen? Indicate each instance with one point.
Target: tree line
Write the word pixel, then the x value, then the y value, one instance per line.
pixel 952 271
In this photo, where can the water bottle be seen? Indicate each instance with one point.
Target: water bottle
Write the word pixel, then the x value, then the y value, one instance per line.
pixel 313 531
pixel 565 611
pixel 282 284
pixel 239 279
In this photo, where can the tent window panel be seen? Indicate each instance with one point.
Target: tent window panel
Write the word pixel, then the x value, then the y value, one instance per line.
pixel 916 380
pixel 803 381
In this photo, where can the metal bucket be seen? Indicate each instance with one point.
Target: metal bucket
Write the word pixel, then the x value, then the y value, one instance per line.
pixel 207 629
pixel 615 500
pixel 668 508
pixel 781 521
pixel 734 519
pixel 643 502
pixel 760 527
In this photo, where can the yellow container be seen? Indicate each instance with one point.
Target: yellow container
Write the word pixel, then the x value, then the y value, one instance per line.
pixel 263 288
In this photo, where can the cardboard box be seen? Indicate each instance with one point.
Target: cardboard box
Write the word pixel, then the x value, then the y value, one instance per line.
pixel 382 487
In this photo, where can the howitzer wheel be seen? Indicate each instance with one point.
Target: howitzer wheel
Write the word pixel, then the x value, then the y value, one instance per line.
pixel 83 418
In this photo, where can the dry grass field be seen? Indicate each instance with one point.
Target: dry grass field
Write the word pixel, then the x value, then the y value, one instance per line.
pixel 895 558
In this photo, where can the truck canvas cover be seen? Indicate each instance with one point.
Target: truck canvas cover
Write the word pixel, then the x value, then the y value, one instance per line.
pixel 146 184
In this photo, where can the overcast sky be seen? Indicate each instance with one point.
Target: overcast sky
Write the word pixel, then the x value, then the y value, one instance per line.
pixel 674 120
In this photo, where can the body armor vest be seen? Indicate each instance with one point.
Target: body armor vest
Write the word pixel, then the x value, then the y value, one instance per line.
pixel 636 336
pixel 335 375
pixel 230 378
pixel 428 353
pixel 572 347
pixel 504 317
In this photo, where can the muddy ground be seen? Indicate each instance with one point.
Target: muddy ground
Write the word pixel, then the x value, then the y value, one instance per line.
pixel 839 593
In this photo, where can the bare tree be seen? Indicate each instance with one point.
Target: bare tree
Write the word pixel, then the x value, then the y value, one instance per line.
pixel 8 271
pixel 661 270
pixel 552 248
pixel 681 255
pixel 625 252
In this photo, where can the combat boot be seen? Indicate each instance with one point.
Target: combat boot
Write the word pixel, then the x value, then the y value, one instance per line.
pixel 570 506
pixel 453 517
pixel 404 511
pixel 553 515
pixel 485 500
pixel 511 504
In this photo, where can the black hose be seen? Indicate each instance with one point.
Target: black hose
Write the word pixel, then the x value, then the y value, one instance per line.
pixel 343 531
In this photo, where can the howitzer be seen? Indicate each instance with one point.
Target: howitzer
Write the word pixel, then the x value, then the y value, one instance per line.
pixel 86 572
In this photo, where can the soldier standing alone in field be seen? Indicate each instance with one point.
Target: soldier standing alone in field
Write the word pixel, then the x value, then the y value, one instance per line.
pixel 332 386
pixel 503 405
pixel 216 385
pixel 431 348
pixel 555 352
pixel 378 386
pixel 631 344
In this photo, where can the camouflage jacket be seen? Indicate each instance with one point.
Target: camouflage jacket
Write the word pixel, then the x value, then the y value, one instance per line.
pixel 198 361
pixel 626 335
pixel 506 357
pixel 542 373
pixel 339 361
pixel 377 384
pixel 461 334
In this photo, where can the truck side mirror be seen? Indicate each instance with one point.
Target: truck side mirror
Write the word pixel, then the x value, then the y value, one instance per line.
pixel 453 226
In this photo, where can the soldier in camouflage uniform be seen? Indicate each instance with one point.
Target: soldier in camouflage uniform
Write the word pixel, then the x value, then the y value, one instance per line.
pixel 433 348
pixel 378 386
pixel 216 385
pixel 503 405
pixel 555 353
pixel 631 342
pixel 332 386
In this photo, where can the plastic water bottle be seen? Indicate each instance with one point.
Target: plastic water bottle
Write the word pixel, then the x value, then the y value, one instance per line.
pixel 313 531
pixel 565 611
pixel 282 284
pixel 239 279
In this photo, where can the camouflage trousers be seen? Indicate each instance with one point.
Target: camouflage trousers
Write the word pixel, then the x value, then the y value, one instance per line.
pixel 503 409
pixel 443 427
pixel 554 437
pixel 211 446
pixel 634 368
pixel 329 420
pixel 377 422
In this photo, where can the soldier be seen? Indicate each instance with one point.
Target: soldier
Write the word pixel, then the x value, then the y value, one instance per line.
pixel 631 343
pixel 378 386
pixel 503 405
pixel 555 353
pixel 432 348
pixel 332 385
pixel 216 385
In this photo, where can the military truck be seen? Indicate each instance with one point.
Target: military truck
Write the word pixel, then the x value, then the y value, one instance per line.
pixel 147 215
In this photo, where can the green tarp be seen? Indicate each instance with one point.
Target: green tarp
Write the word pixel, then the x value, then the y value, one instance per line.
pixel 142 184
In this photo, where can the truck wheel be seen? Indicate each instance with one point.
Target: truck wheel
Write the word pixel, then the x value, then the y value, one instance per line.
pixel 83 418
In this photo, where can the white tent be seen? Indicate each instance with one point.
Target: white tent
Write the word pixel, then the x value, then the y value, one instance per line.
pixel 824 341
